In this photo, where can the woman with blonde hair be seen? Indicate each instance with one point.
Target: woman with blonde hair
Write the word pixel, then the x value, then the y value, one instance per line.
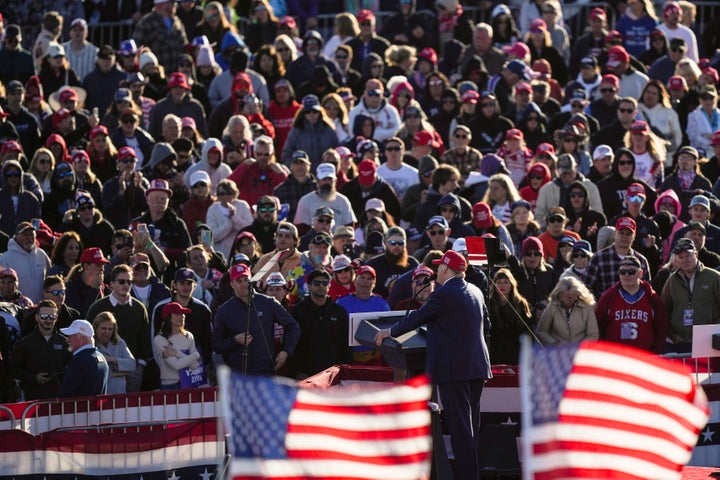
pixel 337 112
pixel 119 357
pixel 650 152
pixel 500 195
pixel 285 46
pixel 103 154
pixel 570 315
pixel 345 29
pixel 400 60
pixel 263 25
pixel 511 317
pixel 690 71
pixel 41 167
pixel 214 24
pixel 655 108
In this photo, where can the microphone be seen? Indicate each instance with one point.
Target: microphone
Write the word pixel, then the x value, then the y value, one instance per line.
pixel 430 279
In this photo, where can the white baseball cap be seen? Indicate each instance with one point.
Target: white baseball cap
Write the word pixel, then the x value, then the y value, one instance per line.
pixel 325 170
pixel 83 327
pixel 602 151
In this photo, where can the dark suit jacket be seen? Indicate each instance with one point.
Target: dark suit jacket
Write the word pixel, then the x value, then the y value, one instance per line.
pixel 456 348
pixel 86 374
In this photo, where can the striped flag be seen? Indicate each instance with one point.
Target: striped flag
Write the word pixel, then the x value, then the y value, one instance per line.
pixel 601 410
pixel 358 432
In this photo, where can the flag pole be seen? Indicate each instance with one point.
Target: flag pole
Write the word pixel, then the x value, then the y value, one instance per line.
pixel 526 351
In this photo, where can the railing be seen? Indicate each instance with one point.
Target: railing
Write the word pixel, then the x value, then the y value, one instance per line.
pixel 575 14
pixel 7 415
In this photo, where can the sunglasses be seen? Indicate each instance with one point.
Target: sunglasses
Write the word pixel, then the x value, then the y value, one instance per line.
pixel 458 136
pixel 128 160
pixel 319 240
pixel 435 83
pixel 48 316
pixel 535 177
pixel 533 119
pixel 556 219
pixel 280 50
pixel 141 266
pixel 44 160
pixel 579 255
pixel 320 283
pixel 61 175
pixel 393 243
pixel 412 116
pixel 128 120
pixel 85 208
pixel 123 281
pixel 487 105
pixel 392 149
pixel 266 209
pixel 220 193
pixel 339 57
pixel 534 253
pixel 264 154
pixel 447 209
pixel 635 199
pixel 570 139
pixel 365 24
pixel 576 195
pixel 607 90
pixel 626 110
pixel 625 162
pixel 447 100
pixel 13 174
pixel 324 220
pixel 628 271
pixel 57 292
pixel 200 185
pixel 707 97
pixel 434 233
pixel 373 93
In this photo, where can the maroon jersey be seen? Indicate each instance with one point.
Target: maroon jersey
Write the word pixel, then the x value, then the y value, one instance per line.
pixel 631 323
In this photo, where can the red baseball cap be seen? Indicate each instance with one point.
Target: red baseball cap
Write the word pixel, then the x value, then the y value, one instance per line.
pixel 365 269
pixel 635 189
pixel 126 152
pixel 617 55
pixel 640 126
pixel 67 94
pixel 366 172
pixel 78 155
pixel 239 270
pixel 9 272
pixel 625 223
pixel 423 138
pixel 454 261
pixel 99 130
pixel 598 13
pixel 422 270
pixel 288 22
pixel 546 148
pixel 174 308
pixel 365 14
pixel 518 50
pixel 177 79
pixel 428 54
pixel 677 82
pixel 538 25
pixel 10 146
pixel 514 133
pixel 470 96
pixel 611 79
pixel 481 215
pixel 93 255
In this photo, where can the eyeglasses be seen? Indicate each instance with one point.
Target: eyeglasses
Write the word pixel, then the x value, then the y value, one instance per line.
pixel 626 110
pixel 57 292
pixel 556 219
pixel 373 93
pixel 266 209
pixel 434 233
pixel 707 97
pixel 628 271
pixel 579 255
pixel 576 195
pixel 625 162
pixel 220 193
pixel 325 220
pixel 400 243
pixel 570 139
pixel 487 105
pixel 328 106
pixel 533 253
pixel 48 316
pixel 128 120
pixel 200 185
pixel 458 136
pixel 84 208
pixel 436 83
pixel 320 283
pixel 263 154
pixel 447 209
pixel 123 281
pixel 392 149
pixel 577 105
pixel 607 90
pixel 141 266
pixel 535 177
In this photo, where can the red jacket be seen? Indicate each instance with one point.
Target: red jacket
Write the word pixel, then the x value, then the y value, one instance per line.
pixel 194 212
pixel 282 118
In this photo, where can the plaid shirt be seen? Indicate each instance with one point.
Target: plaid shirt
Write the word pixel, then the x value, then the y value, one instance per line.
pixel 167 45
pixel 602 271
pixel 291 191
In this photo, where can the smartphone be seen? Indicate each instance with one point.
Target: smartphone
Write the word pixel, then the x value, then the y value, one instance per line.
pixel 206 237
pixel 143 229
pixel 349 250
pixel 35 223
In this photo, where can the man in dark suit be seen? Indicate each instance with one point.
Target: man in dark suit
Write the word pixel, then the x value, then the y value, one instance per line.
pixel 457 358
pixel 87 373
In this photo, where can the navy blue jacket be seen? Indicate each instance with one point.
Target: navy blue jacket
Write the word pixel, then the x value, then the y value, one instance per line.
pixel 86 374
pixel 230 320
pixel 456 348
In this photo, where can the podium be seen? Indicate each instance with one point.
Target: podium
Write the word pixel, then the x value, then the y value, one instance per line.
pixel 405 354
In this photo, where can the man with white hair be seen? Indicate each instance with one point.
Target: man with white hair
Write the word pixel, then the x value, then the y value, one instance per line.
pixel 87 373
pixel 482 46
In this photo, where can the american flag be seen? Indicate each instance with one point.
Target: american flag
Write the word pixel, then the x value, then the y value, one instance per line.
pixel 601 410
pixel 358 432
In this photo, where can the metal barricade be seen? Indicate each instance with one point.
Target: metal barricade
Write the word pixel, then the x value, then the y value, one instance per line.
pixel 7 418
pixel 165 406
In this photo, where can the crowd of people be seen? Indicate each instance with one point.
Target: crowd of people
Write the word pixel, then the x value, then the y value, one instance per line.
pixel 143 184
